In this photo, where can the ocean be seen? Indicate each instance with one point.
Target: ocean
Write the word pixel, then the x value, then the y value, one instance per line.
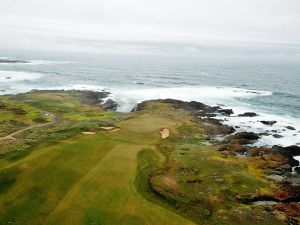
pixel 267 85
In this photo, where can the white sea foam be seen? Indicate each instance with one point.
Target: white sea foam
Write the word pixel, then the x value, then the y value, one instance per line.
pixel 43 62
pixel 80 87
pixel 290 137
pixel 128 98
pixel 17 76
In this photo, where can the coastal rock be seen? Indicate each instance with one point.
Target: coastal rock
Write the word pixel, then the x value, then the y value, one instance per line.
pixel 265 134
pixel 226 112
pixel 210 120
pixel 293 162
pixel 242 138
pixel 270 123
pixel 110 105
pixel 218 130
pixel 290 128
pixel 197 108
pixel 277 136
pixel 289 151
pixel 297 169
pixel 94 97
pixel 248 114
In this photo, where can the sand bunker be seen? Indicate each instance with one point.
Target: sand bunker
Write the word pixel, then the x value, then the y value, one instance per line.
pixel 107 128
pixel 170 181
pixel 164 133
pixel 88 132
pixel 110 128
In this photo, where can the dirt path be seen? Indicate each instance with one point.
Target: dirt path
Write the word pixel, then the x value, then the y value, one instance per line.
pixel 48 115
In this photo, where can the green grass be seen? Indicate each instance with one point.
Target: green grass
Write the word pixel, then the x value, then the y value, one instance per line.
pixel 6 115
pixel 130 176
pixel 84 180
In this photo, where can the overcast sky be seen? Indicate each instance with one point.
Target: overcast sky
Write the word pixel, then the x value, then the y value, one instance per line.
pixel 93 25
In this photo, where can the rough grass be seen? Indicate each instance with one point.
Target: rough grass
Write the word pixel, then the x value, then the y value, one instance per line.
pixel 206 186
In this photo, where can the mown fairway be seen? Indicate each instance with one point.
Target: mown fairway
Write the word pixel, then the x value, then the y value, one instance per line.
pixel 88 179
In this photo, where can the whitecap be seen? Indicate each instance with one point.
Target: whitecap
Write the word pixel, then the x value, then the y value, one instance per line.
pixel 43 62
pixel 17 76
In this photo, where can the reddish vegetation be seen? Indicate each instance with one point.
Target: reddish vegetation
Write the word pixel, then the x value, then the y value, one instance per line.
pixel 258 151
pixel 232 148
pixel 287 192
pixel 290 209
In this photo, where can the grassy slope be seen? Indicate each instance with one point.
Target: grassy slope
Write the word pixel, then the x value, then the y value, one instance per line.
pixel 86 180
pixel 104 178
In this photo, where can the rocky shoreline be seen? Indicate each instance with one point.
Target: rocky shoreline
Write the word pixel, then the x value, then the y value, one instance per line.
pixel 277 162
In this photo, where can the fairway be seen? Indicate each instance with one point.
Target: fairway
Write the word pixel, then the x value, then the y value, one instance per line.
pixel 88 179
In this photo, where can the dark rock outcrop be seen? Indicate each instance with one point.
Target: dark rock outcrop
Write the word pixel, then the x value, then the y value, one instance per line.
pixel 242 138
pixel 290 128
pixel 289 151
pixel 270 123
pixel 210 120
pixel 293 162
pixel 218 130
pixel 110 105
pixel 225 112
pixel 248 114
pixel 196 108
pixel 94 97
pixel 297 169
pixel 277 136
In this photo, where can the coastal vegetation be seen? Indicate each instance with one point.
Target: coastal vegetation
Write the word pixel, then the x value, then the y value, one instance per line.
pixel 67 157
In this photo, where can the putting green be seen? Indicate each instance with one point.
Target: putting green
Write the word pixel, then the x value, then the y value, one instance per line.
pixel 147 123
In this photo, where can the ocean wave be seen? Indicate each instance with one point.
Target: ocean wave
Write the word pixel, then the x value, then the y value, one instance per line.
pixel 43 62
pixel 277 134
pixel 128 98
pixel 17 76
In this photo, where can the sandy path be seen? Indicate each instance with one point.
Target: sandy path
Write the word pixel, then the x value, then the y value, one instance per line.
pixel 49 115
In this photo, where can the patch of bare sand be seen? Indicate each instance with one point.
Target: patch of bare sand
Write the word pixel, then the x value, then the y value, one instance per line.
pixel 170 181
pixel 88 132
pixel 110 128
pixel 164 133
